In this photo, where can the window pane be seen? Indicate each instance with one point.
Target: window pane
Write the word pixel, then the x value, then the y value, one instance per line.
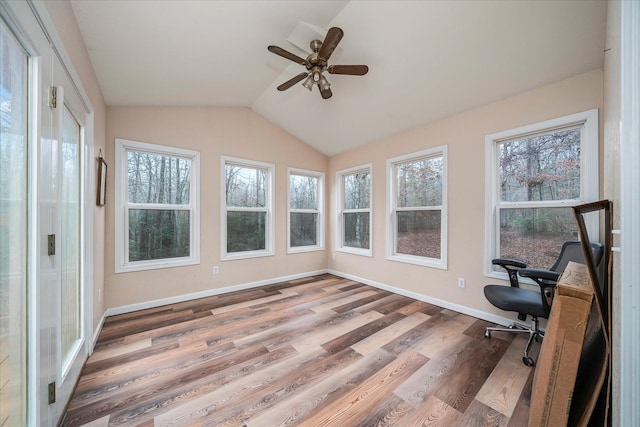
pixel 304 228
pixel 70 237
pixel 246 231
pixel 158 234
pixel 13 230
pixel 419 183
pixel 541 168
pixel 154 178
pixel 357 188
pixel 246 187
pixel 356 230
pixel 303 192
pixel 535 236
pixel 419 233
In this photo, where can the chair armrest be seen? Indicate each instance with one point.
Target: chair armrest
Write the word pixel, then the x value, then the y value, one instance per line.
pixel 535 273
pixel 512 267
pixel 506 262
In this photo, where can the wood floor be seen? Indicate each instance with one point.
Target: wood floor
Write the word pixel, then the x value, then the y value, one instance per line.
pixel 319 351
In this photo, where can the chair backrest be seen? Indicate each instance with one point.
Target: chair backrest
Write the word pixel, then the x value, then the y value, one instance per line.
pixel 572 251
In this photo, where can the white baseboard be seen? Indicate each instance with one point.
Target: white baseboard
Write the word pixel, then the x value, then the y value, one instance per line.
pixel 203 294
pixel 96 332
pixel 489 317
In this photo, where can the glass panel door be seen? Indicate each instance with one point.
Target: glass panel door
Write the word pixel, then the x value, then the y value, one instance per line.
pixel 13 230
pixel 70 314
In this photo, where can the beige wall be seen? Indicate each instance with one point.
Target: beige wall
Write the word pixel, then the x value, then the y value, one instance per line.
pixel 464 135
pixel 67 28
pixel 214 132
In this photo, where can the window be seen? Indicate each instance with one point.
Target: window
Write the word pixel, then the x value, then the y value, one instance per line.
pixel 15 122
pixel 354 204
pixel 306 206
pixel 247 204
pixel 536 174
pixel 157 200
pixel 417 227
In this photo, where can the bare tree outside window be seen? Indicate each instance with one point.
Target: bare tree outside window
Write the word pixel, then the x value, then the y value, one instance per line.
pixel 356 210
pixel 159 212
pixel 418 208
pixel 538 171
pixel 246 200
pixel 303 210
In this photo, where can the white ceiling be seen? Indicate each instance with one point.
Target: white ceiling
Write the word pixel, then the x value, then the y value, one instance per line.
pixel 427 59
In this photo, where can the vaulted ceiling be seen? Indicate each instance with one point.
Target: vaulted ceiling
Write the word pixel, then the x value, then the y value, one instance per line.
pixel 427 59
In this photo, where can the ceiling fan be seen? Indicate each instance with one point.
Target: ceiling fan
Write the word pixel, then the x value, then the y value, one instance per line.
pixel 317 63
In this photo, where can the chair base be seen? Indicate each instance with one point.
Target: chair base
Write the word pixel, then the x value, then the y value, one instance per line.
pixel 535 334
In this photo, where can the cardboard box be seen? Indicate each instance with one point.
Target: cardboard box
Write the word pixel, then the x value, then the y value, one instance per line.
pixel 557 366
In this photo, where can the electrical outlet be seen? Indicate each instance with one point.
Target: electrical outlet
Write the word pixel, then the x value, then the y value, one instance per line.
pixel 216 270
pixel 462 282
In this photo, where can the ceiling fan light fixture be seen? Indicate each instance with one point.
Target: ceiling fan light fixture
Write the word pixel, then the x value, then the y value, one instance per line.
pixel 308 82
pixel 323 84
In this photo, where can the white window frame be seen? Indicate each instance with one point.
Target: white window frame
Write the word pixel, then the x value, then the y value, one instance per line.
pixel 588 120
pixel 392 235
pixel 340 247
pixel 123 265
pixel 268 209
pixel 319 211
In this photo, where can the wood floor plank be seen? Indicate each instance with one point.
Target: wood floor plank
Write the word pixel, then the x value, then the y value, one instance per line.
pixel 265 397
pixel 109 353
pixel 433 413
pixel 382 337
pixel 502 390
pixel 389 412
pixel 355 404
pixel 342 301
pixel 199 408
pixel 358 334
pixel 470 371
pixel 320 337
pixel 146 392
pixel 316 351
pixel 293 411
pixel 480 415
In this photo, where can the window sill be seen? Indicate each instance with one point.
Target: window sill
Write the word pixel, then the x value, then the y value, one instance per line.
pixel 423 262
pixel 155 265
pixel 246 255
pixel 356 251
pixel 302 249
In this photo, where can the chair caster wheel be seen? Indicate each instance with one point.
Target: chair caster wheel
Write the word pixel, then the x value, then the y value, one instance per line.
pixel 528 361
pixel 538 339
pixel 487 334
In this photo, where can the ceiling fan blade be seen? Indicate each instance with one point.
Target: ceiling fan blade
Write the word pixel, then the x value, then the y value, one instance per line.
pixel 333 37
pixel 288 55
pixel 286 85
pixel 352 70
pixel 326 94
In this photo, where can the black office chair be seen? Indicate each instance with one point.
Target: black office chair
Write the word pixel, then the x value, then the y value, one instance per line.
pixel 532 303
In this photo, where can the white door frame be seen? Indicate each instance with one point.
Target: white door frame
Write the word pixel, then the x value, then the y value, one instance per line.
pixel 629 214
pixel 31 23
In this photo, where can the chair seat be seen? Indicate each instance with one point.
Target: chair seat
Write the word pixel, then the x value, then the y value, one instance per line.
pixel 520 300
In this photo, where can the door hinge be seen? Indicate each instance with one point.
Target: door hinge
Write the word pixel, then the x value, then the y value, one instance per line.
pixel 52 393
pixel 53 97
pixel 51 244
